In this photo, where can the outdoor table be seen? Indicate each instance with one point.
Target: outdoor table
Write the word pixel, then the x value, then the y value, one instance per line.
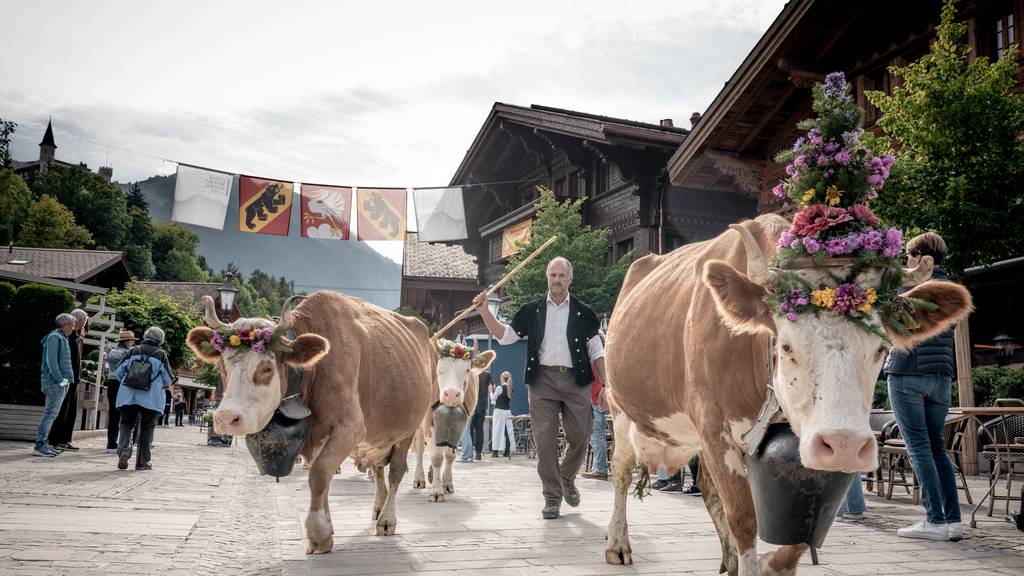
pixel 974 419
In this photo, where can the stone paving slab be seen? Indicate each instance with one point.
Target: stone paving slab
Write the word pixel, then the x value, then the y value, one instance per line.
pixel 205 510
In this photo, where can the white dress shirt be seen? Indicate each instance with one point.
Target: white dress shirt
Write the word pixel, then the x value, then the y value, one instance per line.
pixel 554 349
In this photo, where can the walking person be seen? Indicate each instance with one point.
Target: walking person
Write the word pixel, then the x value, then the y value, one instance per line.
pixel 563 341
pixel 125 341
pixel 55 377
pixel 179 409
pixel 920 384
pixel 501 418
pixel 141 396
pixel 476 425
pixel 166 412
pixel 598 437
pixel 853 507
pixel 64 425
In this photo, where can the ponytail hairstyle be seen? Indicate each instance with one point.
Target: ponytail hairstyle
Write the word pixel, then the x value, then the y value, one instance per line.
pixel 506 381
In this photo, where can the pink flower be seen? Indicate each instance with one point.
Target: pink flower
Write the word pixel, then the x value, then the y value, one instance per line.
pixel 864 214
pixel 843 158
pixel 817 218
pixel 875 180
pixel 779 191
pixel 822 160
pixel 244 333
pixel 792 316
pixel 259 346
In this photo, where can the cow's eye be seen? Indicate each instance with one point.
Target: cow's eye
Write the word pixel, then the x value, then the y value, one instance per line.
pixel 267 369
pixel 786 348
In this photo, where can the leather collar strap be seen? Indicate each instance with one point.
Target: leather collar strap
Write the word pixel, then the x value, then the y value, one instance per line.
pixel 291 404
pixel 770 412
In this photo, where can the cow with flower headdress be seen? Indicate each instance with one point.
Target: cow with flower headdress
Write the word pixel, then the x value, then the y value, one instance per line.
pixel 369 376
pixel 716 336
pixel 455 398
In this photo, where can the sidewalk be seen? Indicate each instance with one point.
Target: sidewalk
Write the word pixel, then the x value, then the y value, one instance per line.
pixel 205 510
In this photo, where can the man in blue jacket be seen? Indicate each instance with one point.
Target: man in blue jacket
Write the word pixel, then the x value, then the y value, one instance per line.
pixel 55 375
pixel 135 402
pixel 920 384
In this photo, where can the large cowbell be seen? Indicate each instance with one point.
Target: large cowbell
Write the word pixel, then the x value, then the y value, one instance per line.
pixel 794 504
pixel 449 424
pixel 277 445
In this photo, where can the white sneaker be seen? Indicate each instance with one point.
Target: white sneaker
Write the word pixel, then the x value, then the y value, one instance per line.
pixel 956 531
pixel 925 530
pixel 851 517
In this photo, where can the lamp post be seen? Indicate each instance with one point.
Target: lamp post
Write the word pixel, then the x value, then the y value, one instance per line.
pixel 226 292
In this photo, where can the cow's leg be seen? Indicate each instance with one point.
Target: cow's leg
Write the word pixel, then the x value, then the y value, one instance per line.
pixel 380 494
pixel 319 530
pixel 449 463
pixel 725 464
pixel 436 459
pixel 713 502
pixel 387 522
pixel 782 562
pixel 418 445
pixel 617 550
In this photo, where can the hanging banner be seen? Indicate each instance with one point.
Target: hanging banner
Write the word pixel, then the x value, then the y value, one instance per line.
pixel 440 215
pixel 201 197
pixel 326 211
pixel 380 213
pixel 264 206
pixel 514 237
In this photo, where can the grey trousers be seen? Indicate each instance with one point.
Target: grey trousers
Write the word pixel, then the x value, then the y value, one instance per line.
pixel 556 393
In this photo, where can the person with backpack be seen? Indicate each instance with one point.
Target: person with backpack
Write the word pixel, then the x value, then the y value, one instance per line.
pixel 144 375
pixel 125 341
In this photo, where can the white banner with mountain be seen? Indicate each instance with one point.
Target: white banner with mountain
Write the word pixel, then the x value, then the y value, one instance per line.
pixel 201 197
pixel 440 215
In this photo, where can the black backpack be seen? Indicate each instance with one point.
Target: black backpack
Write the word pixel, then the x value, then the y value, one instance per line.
pixel 140 373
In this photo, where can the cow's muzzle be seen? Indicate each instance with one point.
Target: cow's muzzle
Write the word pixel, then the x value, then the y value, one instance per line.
pixel 844 450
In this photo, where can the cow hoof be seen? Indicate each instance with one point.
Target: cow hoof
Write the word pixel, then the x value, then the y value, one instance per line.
pixel 449 489
pixel 435 496
pixel 376 513
pixel 419 484
pixel 386 527
pixel 617 557
pixel 322 548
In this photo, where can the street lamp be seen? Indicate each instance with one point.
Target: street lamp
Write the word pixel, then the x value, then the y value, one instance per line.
pixel 226 292
pixel 1004 348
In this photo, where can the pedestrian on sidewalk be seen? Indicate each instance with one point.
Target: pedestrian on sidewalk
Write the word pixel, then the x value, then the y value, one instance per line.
pixel 179 409
pixel 476 425
pixel 166 412
pixel 920 384
pixel 853 507
pixel 55 376
pixel 501 418
pixel 64 425
pixel 137 398
pixel 125 341
pixel 598 437
pixel 563 340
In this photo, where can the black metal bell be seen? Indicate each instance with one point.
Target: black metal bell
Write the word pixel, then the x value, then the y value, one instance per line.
pixel 276 446
pixel 449 424
pixel 794 504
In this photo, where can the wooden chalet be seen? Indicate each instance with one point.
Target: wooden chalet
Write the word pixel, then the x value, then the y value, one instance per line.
pixel 438 282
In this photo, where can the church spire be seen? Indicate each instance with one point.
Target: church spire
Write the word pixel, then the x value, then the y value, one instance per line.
pixel 47 148
pixel 48 137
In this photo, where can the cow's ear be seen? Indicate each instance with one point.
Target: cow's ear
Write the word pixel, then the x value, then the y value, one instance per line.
pixel 739 301
pixel 953 303
pixel 483 360
pixel 307 350
pixel 198 340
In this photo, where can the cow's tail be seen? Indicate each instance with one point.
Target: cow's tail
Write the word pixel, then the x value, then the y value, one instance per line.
pixel 643 484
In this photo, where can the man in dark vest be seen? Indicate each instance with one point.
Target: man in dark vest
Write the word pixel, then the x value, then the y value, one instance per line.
pixel 563 341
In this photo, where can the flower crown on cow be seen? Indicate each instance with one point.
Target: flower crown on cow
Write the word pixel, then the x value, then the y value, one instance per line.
pixel 261 340
pixel 449 349
pixel 833 176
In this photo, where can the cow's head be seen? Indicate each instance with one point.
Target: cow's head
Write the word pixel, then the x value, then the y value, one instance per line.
pixel 454 365
pixel 827 365
pixel 251 354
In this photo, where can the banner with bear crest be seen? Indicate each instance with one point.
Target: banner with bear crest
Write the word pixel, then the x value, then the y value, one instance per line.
pixel 264 206
pixel 380 213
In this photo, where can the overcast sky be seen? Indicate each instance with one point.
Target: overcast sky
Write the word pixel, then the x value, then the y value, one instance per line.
pixel 367 94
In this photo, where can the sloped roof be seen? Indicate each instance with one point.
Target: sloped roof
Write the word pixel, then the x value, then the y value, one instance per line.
pixel 63 264
pixel 48 137
pixel 430 260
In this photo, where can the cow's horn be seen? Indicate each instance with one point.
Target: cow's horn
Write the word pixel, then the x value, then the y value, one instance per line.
pixel 757 267
pixel 286 313
pixel 920 273
pixel 210 311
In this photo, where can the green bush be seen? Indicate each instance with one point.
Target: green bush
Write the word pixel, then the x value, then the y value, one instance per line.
pixel 992 382
pixel 31 317
pixel 139 310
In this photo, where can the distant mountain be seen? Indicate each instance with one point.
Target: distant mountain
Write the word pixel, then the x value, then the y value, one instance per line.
pixel 347 266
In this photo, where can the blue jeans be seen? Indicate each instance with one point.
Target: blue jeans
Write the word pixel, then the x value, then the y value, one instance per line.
pixel 466 452
pixel 854 502
pixel 599 442
pixel 920 403
pixel 54 397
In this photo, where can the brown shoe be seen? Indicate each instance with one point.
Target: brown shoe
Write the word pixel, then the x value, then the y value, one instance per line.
pixel 551 509
pixel 594 475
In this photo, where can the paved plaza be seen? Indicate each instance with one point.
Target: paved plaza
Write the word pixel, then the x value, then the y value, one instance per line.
pixel 206 510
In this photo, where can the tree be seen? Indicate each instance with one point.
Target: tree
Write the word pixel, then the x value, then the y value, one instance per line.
pixel 139 244
pixel 174 253
pixel 97 204
pixel 7 128
pixel 593 283
pixel 15 200
pixel 954 126
pixel 136 199
pixel 139 310
pixel 50 225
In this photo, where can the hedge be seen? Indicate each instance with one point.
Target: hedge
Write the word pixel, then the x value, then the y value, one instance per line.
pixel 29 318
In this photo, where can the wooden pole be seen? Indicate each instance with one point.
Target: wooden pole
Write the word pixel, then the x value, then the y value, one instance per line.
pixel 962 341
pixel 494 288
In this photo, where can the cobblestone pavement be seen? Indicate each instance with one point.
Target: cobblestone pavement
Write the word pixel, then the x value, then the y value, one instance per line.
pixel 205 510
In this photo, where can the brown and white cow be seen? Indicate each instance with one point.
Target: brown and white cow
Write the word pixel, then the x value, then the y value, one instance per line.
pixel 687 368
pixel 368 390
pixel 456 386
